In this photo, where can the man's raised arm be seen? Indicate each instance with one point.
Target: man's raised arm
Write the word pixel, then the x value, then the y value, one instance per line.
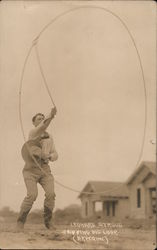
pixel 38 130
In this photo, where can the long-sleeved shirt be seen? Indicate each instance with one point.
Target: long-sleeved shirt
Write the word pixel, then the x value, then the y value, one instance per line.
pixel 40 129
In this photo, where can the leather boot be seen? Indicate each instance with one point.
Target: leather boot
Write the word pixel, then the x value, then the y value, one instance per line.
pixel 48 218
pixel 21 220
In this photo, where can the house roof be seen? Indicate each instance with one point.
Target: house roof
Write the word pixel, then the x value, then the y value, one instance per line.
pixel 151 166
pixel 115 189
pixel 105 189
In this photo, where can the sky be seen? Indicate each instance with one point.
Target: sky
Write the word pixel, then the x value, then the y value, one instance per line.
pixel 94 76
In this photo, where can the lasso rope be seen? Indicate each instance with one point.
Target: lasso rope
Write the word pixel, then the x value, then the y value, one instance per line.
pixel 35 45
pixel 42 72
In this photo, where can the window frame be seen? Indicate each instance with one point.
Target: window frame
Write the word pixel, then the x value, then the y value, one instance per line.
pixel 138 195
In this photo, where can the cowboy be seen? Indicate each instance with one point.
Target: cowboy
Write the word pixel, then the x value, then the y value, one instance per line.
pixel 37 152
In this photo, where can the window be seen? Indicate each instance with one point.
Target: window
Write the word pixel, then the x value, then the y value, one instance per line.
pixel 153 199
pixel 138 197
pixel 86 208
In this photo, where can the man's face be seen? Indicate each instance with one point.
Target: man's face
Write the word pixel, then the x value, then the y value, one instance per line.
pixel 38 120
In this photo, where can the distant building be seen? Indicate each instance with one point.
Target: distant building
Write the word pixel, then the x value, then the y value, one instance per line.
pixel 136 198
pixel 142 191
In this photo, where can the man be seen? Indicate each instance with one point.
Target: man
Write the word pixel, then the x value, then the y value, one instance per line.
pixel 37 152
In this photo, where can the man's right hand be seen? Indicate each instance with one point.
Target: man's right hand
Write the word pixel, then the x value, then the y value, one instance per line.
pixel 53 112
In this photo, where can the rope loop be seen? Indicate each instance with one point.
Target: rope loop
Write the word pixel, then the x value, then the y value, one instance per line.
pixel 35 46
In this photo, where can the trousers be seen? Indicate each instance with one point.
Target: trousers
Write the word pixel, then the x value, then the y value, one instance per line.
pixel 31 179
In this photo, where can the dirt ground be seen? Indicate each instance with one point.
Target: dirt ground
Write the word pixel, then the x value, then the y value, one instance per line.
pixel 35 236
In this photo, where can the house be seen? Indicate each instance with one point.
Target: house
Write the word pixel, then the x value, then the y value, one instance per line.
pixel 142 191
pixel 113 197
pixel 135 198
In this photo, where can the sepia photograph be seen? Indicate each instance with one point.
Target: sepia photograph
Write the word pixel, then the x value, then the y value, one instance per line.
pixel 78 122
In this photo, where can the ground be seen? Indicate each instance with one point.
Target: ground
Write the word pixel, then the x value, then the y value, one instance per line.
pixel 35 236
